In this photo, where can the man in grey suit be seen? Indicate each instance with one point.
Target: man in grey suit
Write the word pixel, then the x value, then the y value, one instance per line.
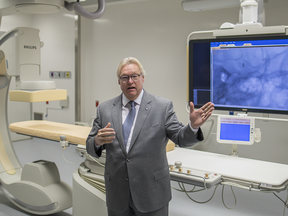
pixel 137 176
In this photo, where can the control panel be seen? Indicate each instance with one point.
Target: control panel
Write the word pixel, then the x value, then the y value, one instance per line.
pixel 193 176
pixel 60 74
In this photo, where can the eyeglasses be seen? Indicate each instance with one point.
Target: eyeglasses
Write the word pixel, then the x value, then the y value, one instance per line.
pixel 134 77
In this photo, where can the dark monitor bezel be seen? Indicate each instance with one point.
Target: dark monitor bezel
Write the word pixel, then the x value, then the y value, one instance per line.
pixel 224 39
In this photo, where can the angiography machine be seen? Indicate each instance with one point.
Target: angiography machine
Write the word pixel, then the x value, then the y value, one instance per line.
pixel 36 187
pixel 213 75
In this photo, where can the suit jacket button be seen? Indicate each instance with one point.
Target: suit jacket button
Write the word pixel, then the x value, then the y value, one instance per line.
pixel 127 179
pixel 127 160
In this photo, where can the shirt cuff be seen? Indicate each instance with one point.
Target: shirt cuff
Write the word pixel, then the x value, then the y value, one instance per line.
pixel 195 131
pixel 96 147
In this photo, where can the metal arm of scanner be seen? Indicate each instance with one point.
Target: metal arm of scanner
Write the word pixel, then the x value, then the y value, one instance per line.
pixel 40 179
pixel 89 15
pixel 8 7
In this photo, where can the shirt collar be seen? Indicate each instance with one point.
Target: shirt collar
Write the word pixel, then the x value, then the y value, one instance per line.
pixel 125 100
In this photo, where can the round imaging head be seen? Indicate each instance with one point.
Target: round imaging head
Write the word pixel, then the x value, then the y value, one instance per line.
pixel 8 7
pixel 37 8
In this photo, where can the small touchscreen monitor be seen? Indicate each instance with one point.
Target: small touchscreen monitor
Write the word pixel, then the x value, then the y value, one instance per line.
pixel 235 130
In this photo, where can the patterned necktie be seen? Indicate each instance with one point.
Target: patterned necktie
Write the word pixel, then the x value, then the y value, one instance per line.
pixel 129 122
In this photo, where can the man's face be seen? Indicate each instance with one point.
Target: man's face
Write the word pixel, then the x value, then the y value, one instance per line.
pixel 131 89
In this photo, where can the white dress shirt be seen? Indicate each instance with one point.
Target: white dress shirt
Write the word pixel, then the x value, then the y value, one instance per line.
pixel 125 111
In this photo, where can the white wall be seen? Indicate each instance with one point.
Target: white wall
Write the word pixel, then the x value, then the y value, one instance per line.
pixel 57 31
pixel 155 32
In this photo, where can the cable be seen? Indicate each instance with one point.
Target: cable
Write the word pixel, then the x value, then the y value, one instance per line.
pixel 183 189
pixel 284 202
pixel 212 120
pixel 209 132
pixel 203 201
pixel 223 198
pixel 234 151
pixel 97 184
pixel 69 161
pixel 8 35
pixel 245 187
pixel 52 108
pixel 92 158
pixel 180 190
pixel 280 199
pixel 227 147
pixel 191 191
pixel 89 15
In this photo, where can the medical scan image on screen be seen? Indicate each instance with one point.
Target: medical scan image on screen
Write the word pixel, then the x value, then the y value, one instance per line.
pixel 242 74
pixel 251 77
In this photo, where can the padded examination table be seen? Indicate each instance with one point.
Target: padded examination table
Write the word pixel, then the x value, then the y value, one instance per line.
pixel 52 130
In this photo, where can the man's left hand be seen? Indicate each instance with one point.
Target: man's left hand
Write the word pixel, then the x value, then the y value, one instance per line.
pixel 199 117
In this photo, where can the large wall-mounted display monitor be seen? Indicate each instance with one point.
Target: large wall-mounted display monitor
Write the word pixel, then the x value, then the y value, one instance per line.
pixel 247 74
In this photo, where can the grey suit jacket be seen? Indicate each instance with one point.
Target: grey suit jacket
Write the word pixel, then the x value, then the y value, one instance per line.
pixel 142 173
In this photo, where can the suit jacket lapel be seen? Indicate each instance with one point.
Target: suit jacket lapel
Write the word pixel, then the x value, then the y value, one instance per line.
pixel 143 112
pixel 116 115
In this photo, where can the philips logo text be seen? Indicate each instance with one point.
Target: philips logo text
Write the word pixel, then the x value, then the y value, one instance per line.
pixel 29 47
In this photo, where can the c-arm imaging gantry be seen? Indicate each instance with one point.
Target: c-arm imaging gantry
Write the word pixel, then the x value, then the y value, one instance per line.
pixel 20 58
pixel 40 179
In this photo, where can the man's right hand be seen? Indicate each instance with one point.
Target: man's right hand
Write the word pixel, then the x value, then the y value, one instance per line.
pixel 105 135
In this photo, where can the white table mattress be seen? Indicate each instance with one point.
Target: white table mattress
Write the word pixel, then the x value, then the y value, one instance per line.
pixel 256 171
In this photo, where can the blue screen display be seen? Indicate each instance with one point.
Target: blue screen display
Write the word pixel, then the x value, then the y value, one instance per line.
pixel 251 76
pixel 235 132
pixel 237 74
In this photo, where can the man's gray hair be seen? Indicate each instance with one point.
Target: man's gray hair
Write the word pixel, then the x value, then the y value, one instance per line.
pixel 130 60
